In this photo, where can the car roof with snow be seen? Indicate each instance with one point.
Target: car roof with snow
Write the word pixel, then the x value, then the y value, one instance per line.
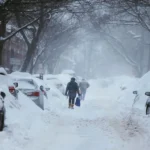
pixel 3 71
pixel 70 72
pixel 24 84
pixel 27 77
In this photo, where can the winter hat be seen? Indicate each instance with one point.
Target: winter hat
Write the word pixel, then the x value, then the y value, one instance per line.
pixel 73 79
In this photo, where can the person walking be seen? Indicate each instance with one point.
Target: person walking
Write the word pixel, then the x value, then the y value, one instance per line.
pixel 83 85
pixel 71 90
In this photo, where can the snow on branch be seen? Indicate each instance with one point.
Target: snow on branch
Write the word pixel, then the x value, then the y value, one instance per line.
pixel 2 39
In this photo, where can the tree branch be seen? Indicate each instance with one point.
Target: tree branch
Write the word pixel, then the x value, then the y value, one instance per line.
pixel 18 30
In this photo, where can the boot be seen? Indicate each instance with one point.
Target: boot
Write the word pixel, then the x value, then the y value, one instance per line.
pixel 69 105
pixel 72 106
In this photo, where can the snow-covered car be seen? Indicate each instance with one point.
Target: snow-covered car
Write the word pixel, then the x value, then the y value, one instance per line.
pixel 28 87
pixel 39 81
pixel 39 76
pixel 34 88
pixel 5 79
pixel 53 80
pixel 2 110
pixel 69 72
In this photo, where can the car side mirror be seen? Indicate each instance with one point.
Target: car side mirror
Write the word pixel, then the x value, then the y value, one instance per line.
pixel 16 84
pixel 3 95
pixel 147 93
pixel 41 88
pixel 135 92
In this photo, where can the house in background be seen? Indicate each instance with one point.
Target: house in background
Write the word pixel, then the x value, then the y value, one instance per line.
pixel 14 51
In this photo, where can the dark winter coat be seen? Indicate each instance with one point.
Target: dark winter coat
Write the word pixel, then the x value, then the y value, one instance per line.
pixel 72 89
pixel 83 86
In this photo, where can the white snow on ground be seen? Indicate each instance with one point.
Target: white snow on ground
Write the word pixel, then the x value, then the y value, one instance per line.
pixel 104 120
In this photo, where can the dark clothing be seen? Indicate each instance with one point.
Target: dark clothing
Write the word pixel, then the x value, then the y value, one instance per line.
pixel 71 100
pixel 72 89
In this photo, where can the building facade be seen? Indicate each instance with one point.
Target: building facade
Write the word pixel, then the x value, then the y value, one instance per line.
pixel 14 52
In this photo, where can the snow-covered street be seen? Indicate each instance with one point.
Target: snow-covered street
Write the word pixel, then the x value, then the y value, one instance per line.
pixel 102 122
pixel 74 75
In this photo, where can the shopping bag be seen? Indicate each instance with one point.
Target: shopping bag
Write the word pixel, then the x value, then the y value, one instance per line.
pixel 77 103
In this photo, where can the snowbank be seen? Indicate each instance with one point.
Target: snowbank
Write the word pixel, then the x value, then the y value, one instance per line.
pixel 104 116
pixel 21 74
pixel 3 71
pixel 141 85
pixel 63 78
pixel 69 72
pixel 23 118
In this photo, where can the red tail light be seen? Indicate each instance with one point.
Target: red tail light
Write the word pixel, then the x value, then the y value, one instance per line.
pixel 34 94
pixel 11 89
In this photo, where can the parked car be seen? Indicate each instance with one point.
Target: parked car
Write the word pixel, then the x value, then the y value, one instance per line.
pixel 32 87
pixel 47 88
pixel 28 87
pixel 53 80
pixel 6 79
pixel 2 110
pixel 39 76
pixel 69 72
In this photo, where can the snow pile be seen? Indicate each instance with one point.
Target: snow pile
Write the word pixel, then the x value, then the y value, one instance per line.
pixel 22 115
pixel 105 116
pixel 63 78
pixel 133 108
pixel 5 80
pixel 23 118
pixel 69 72
pixel 3 71
pixel 25 85
pixel 113 86
pixel 21 74
pixel 142 85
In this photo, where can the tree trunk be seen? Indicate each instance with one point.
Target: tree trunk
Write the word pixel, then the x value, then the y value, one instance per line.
pixel 2 34
pixel 29 55
pixel 1 53
pixel 51 66
pixel 32 46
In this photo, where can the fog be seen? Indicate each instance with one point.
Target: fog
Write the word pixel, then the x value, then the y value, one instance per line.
pixel 94 55
pixel 91 56
pixel 102 47
pixel 93 38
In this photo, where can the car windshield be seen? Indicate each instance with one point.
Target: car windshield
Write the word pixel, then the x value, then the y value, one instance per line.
pixel 26 84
